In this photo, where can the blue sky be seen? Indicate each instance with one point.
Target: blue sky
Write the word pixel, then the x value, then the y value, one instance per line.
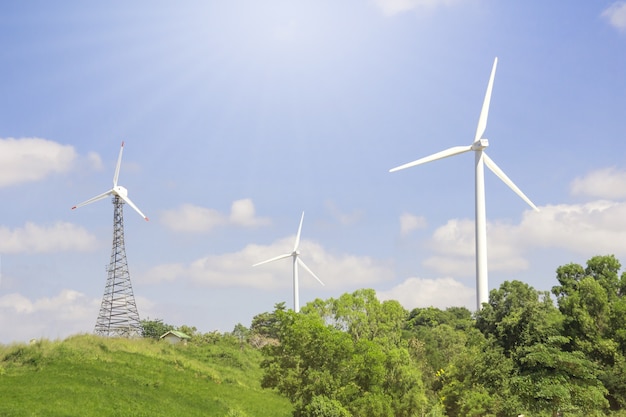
pixel 238 116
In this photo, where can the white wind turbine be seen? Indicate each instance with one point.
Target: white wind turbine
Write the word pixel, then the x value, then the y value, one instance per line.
pixel 118 314
pixel 117 190
pixel 478 146
pixel 295 254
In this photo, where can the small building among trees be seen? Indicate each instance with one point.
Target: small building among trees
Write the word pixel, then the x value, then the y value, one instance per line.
pixel 174 337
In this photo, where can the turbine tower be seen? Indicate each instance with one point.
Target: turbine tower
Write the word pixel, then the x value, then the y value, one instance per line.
pixel 481 159
pixel 295 254
pixel 118 311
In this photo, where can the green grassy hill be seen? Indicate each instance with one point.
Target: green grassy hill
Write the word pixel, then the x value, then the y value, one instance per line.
pixel 87 375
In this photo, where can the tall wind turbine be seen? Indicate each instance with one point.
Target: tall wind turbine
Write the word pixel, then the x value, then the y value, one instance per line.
pixel 478 146
pixel 118 311
pixel 295 254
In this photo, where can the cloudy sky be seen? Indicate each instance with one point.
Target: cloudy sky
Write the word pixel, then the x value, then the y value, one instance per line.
pixel 238 116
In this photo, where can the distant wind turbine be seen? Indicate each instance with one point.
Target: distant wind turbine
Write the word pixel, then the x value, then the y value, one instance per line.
pixel 295 254
pixel 478 146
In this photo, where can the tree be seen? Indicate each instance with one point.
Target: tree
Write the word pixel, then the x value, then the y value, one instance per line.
pixel 324 407
pixel 593 302
pixel 529 329
pixel 550 378
pixel 436 338
pixel 265 327
pixel 154 329
pixel 240 332
pixel 348 351
pixel 266 324
pixel 518 315
pixel 477 381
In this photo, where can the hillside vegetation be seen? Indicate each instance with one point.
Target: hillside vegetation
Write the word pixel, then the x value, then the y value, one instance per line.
pixel 87 375
pixel 526 352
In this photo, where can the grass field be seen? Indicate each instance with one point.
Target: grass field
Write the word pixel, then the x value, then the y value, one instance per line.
pixel 87 375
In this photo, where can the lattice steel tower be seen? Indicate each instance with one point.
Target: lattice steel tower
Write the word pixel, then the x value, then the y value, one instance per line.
pixel 118 311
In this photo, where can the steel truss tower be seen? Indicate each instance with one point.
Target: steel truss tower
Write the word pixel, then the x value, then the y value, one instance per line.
pixel 118 315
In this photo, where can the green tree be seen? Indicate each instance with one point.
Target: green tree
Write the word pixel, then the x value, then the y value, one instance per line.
pixel 265 327
pixel 518 315
pixel 266 324
pixel 154 329
pixel 529 329
pixel 477 381
pixel 592 300
pixel 349 350
pixel 324 407
pixel 551 379
pixel 436 338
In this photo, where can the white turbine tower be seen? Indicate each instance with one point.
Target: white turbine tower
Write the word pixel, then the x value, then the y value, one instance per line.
pixel 118 311
pixel 478 146
pixel 295 254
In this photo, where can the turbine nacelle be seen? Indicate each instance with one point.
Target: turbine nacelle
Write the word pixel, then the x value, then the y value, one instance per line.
pixel 120 191
pixel 480 144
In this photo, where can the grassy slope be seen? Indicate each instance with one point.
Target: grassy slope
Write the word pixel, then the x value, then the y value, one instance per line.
pixel 90 376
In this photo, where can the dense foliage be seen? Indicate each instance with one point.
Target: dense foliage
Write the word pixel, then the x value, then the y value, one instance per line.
pixel 345 357
pixel 522 353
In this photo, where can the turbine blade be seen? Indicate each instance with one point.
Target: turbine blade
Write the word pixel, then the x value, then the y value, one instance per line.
pixel 286 255
pixel 91 200
pixel 117 167
pixel 301 262
pixel 439 155
pixel 496 170
pixel 130 203
pixel 295 248
pixel 482 120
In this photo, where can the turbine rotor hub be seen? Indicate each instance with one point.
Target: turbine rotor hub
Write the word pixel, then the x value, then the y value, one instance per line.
pixel 480 144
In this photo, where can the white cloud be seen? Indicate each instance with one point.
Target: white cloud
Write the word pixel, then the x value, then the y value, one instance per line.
pixel 588 229
pixel 456 238
pixel 235 269
pixel 242 213
pixel 439 293
pixel 607 183
pixel 33 238
pixel 195 219
pixel 32 159
pixel 94 160
pixel 410 222
pixel 190 218
pixel 598 227
pixel 392 7
pixel 616 15
pixel 67 313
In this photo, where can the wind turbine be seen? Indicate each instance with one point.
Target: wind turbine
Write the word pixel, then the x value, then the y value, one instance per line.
pixel 481 158
pixel 295 254
pixel 116 191
pixel 118 311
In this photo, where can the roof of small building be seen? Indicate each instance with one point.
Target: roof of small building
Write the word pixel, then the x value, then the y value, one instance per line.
pixel 176 333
